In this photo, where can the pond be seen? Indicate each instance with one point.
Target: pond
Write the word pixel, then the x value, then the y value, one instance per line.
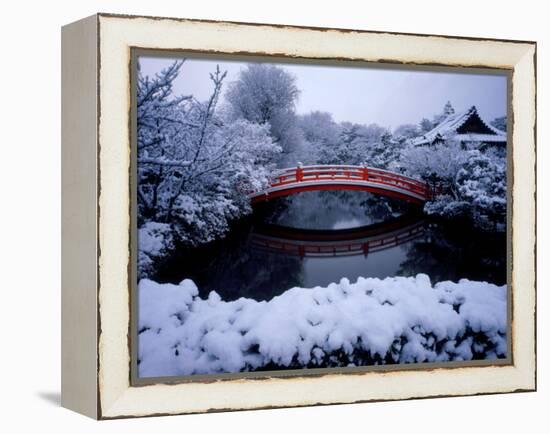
pixel 320 237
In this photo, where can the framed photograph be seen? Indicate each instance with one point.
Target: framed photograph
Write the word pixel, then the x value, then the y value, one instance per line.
pixel 261 216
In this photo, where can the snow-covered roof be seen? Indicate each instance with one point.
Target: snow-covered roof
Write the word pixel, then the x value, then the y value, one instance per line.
pixel 452 123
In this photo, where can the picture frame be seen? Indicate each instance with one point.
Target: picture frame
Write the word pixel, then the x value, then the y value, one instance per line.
pixel 99 210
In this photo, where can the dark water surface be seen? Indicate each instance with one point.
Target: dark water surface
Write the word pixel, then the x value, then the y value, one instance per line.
pixel 316 238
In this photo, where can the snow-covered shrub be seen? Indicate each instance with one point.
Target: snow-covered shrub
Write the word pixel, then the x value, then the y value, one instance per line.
pixel 155 241
pixel 201 217
pixel 447 206
pixel 482 183
pixel 372 321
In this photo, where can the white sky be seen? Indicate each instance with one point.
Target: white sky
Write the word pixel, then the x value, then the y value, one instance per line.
pixel 388 97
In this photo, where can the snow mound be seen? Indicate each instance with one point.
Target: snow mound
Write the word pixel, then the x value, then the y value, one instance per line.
pixel 372 321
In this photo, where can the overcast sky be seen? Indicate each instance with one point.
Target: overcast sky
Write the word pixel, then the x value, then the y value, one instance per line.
pixel 389 97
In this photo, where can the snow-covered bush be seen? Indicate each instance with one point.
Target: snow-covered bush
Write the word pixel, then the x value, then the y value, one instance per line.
pixel 447 206
pixel 482 184
pixel 155 241
pixel 372 321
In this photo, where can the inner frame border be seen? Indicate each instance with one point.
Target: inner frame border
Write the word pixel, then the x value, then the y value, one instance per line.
pixel 133 341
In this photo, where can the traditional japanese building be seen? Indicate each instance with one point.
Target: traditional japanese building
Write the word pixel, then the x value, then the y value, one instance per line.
pixel 466 127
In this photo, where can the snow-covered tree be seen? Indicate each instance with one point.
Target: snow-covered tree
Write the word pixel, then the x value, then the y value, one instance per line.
pixel 318 128
pixel 500 123
pixel 448 109
pixel 439 166
pixel 347 148
pixel 266 95
pixel 482 183
pixel 357 144
pixel 195 162
pixel 439 163
pixel 446 112
pixel 426 125
pixel 474 182
pixel 406 131
pixel 384 153
pixel 373 132
pixel 319 133
pixel 157 123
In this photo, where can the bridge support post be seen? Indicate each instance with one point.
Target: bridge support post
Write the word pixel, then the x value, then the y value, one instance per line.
pixel 299 173
pixel 365 248
pixel 365 171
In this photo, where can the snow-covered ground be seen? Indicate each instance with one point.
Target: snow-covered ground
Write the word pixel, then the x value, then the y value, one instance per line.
pixel 372 321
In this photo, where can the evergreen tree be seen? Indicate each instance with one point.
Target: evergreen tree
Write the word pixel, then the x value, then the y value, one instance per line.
pixel 448 109
pixel 500 123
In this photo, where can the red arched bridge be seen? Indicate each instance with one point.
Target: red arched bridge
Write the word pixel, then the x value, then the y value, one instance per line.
pixel 341 177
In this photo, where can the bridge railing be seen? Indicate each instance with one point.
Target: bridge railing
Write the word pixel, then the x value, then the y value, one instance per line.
pixel 349 173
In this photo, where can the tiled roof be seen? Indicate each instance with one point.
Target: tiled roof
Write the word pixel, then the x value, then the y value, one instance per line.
pixel 453 122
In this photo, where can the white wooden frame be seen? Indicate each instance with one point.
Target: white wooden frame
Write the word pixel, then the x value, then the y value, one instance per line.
pixel 96 216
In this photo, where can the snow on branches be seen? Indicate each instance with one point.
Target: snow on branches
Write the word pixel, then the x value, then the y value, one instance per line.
pixel 266 95
pixel 192 158
pixel 482 183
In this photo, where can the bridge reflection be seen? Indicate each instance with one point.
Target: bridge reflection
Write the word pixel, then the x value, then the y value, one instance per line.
pixel 363 240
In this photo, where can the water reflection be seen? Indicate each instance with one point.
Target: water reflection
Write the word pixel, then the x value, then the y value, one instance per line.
pixel 456 251
pixel 315 243
pixel 320 237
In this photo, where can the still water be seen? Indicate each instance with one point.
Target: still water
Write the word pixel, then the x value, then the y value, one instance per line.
pixel 316 238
